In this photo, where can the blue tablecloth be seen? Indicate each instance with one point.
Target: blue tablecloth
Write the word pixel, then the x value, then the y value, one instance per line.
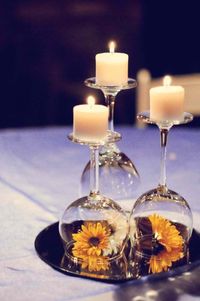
pixel 39 174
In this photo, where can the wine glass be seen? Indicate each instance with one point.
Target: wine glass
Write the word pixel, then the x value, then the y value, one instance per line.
pixel 163 217
pixel 119 177
pixel 94 228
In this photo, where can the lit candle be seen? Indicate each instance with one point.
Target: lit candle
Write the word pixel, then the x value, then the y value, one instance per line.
pixel 111 67
pixel 166 102
pixel 90 121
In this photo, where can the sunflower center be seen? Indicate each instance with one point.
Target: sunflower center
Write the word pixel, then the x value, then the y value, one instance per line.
pixel 156 246
pixel 94 241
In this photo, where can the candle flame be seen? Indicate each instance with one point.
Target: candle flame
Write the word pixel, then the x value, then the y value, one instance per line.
pixel 112 46
pixel 91 100
pixel 167 81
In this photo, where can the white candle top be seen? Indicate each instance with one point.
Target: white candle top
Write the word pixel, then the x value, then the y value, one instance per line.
pixel 112 67
pixel 112 57
pixel 90 109
pixel 166 89
pixel 167 102
pixel 90 121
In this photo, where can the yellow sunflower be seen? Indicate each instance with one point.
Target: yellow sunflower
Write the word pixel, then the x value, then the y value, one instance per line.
pixel 89 245
pixel 92 240
pixel 167 244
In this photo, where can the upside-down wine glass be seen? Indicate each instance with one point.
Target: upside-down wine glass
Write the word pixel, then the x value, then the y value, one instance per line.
pixel 94 228
pixel 119 177
pixel 163 217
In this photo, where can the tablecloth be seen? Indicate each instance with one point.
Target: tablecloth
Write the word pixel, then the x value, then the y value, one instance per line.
pixel 39 175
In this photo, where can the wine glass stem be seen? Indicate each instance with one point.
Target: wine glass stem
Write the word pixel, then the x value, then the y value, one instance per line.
pixel 94 170
pixel 163 142
pixel 110 101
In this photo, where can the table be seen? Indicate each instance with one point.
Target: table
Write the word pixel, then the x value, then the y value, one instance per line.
pixel 39 175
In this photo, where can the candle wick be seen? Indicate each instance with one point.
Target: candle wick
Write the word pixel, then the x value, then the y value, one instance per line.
pixel 90 101
pixel 167 81
pixel 112 47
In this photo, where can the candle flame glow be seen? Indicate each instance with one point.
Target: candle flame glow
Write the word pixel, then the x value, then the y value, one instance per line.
pixel 167 81
pixel 112 46
pixel 91 100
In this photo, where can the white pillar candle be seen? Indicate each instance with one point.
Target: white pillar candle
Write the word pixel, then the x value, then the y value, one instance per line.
pixel 111 67
pixel 166 102
pixel 90 121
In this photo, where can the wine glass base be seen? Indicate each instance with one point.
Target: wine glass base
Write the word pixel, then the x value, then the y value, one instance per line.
pixel 56 258
pixel 111 137
pixel 118 176
pixel 146 118
pixel 110 89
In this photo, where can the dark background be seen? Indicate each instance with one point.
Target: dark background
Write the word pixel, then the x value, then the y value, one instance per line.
pixel 47 49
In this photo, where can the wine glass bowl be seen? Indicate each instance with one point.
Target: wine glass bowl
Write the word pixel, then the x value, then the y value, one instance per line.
pixel 163 227
pixel 94 231
pixel 119 178
pixel 168 204
pixel 93 217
